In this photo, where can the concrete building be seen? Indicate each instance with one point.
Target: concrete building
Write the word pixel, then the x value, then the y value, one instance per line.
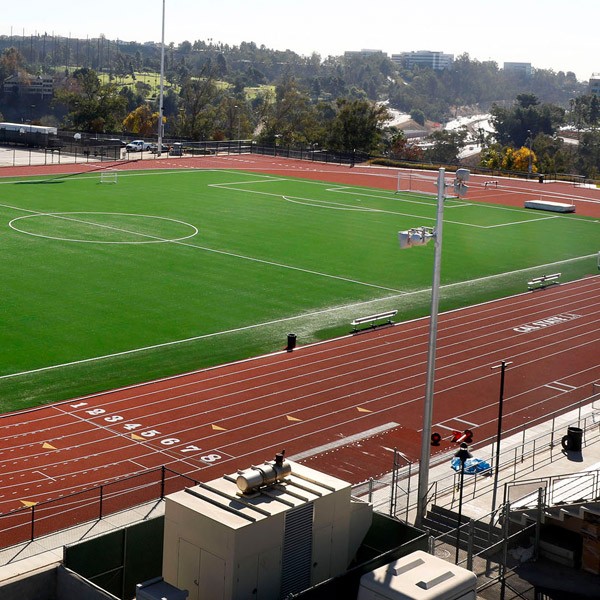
pixel 276 539
pixel 519 67
pixel 438 61
pixel 595 84
pixel 29 85
pixel 264 532
pixel 363 52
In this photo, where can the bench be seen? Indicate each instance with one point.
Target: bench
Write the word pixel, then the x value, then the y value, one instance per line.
pixel 538 283
pixel 487 183
pixel 374 320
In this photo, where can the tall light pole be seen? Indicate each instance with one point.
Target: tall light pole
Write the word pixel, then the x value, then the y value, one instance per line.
pixel 419 237
pixel 239 121
pixel 423 487
pixel 530 159
pixel 162 84
pixel 502 366
pixel 463 455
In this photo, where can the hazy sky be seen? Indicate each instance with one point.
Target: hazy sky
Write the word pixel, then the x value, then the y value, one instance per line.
pixel 550 34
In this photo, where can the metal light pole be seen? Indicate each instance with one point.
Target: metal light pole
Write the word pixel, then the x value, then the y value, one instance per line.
pixel 423 487
pixel 239 122
pixel 503 364
pixel 421 237
pixel 162 84
pixel 530 158
pixel 463 454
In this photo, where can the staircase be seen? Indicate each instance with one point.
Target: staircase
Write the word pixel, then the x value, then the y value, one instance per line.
pixel 441 523
pixel 586 511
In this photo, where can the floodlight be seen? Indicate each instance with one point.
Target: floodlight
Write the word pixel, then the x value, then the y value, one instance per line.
pixel 460 187
pixel 418 236
pixel 463 174
pixel 404 239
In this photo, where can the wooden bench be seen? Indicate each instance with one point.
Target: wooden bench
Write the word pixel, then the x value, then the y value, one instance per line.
pixel 487 183
pixel 374 320
pixel 538 283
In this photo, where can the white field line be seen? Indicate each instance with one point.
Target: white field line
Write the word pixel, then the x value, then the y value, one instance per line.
pixel 66 217
pixel 354 347
pixel 229 254
pixel 398 294
pixel 521 222
pixel 282 320
pixel 340 206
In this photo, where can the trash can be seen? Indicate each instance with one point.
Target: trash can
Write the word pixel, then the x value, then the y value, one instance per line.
pixel 291 341
pixel 541 179
pixel 573 439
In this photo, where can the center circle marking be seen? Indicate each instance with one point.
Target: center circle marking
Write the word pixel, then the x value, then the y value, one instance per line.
pixel 151 239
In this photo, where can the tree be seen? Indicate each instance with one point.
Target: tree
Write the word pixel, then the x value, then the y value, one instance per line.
pixel 588 155
pixel 12 62
pixel 288 117
pixel 357 126
pixel 526 118
pixel 594 114
pixel 527 100
pixel 91 106
pixel 491 157
pixel 520 160
pixel 132 99
pixel 418 116
pixel 446 145
pixel 142 121
pixel 185 47
pixel 401 149
pixel 231 118
pixel 200 98
pixel 553 155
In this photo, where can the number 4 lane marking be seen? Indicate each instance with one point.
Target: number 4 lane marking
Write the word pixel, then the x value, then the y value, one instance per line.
pixel 148 434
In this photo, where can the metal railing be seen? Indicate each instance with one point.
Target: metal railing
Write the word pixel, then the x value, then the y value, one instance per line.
pixel 396 494
pixel 40 519
pixel 68 150
pixel 490 553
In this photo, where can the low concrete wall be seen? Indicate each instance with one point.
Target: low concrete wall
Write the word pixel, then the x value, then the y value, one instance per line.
pixel 53 583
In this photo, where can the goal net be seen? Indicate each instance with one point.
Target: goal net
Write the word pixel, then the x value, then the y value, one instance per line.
pixel 417 182
pixel 108 177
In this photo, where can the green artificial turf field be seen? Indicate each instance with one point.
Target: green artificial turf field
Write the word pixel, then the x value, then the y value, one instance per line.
pixel 165 272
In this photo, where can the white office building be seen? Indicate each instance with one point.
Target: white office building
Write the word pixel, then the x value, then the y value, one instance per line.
pixel 438 61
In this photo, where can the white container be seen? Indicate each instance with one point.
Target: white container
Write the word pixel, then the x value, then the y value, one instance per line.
pixel 418 576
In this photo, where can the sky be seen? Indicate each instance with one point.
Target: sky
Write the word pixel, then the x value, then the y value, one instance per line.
pixel 549 34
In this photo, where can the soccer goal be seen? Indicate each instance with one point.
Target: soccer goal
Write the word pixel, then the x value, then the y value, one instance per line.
pixel 108 177
pixel 411 181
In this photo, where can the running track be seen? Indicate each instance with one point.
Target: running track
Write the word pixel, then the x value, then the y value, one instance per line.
pixel 510 192
pixel 339 406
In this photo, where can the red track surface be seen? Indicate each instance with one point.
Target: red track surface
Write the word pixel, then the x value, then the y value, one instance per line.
pixel 342 405
pixel 218 420
pixel 511 192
